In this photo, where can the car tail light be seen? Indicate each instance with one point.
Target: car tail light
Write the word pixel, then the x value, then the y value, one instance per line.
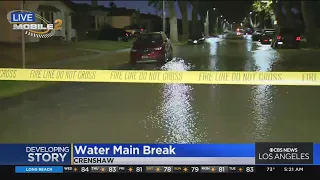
pixel 278 37
pixel 158 48
pixel 127 34
pixel 141 29
pixel 298 38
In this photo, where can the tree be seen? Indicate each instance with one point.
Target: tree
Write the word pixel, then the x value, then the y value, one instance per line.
pixel 309 15
pixel 173 22
pixel 276 10
pixel 263 10
pixel 172 16
pixel 195 13
pixel 112 5
pixel 183 6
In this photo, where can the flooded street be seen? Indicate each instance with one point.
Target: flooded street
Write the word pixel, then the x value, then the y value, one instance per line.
pixel 175 113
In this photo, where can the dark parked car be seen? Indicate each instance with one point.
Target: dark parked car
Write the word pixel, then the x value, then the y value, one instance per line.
pixel 113 34
pixel 134 29
pixel 197 38
pixel 256 35
pixel 267 35
pixel 151 47
pixel 286 38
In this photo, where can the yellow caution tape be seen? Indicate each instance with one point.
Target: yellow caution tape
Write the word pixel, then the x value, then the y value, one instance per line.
pixel 185 77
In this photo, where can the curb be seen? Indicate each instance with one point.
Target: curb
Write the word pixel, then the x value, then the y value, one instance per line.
pixel 312 50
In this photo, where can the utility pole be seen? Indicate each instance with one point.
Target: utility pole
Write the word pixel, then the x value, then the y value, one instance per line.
pixel 163 16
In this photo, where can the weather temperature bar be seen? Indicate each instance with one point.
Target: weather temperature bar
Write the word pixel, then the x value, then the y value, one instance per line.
pixel 191 169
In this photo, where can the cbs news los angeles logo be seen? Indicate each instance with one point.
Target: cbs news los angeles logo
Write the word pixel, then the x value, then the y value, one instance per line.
pixel 25 20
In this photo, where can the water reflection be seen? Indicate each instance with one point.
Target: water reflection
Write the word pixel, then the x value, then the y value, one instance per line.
pixel 176 114
pixel 213 43
pixel 262 98
pixel 249 43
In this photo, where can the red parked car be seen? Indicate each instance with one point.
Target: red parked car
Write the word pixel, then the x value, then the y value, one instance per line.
pixel 151 47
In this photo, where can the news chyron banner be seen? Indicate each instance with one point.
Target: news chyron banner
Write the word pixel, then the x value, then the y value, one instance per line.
pixel 163 154
pixel 159 154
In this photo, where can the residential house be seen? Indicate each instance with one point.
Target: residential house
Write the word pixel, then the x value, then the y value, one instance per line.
pixel 89 18
pixel 151 22
pixel 92 17
pixel 122 17
pixel 50 10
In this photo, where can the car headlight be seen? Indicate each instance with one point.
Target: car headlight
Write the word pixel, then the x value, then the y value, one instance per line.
pixel 202 38
pixel 133 50
pixel 195 41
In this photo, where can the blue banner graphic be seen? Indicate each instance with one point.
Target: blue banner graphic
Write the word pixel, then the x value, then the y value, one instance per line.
pixel 316 154
pixel 164 150
pixel 39 169
pixel 35 154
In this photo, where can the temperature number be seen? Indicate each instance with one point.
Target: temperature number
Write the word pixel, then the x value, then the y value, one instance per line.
pixel 167 169
pixel 84 169
pixel 139 169
pixel 221 169
pixel 194 169
pixel 112 169
pixel 249 169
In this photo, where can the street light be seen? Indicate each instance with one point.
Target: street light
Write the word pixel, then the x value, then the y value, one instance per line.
pixel 207 22
pixel 250 12
pixel 221 16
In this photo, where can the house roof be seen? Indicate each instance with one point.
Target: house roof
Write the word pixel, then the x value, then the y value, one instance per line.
pixel 121 12
pixel 68 3
pixel 83 7
pixel 45 8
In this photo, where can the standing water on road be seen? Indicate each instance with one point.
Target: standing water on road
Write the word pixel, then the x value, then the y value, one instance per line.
pixel 175 113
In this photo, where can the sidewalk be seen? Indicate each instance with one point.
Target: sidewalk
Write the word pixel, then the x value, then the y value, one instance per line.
pixel 311 49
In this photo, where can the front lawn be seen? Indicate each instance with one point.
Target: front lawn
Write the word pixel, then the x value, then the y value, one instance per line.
pixel 38 53
pixel 104 45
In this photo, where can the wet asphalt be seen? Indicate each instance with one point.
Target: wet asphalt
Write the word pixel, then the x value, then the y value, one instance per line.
pixel 175 113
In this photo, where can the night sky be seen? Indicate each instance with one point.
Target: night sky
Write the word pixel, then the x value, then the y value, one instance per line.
pixel 233 10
